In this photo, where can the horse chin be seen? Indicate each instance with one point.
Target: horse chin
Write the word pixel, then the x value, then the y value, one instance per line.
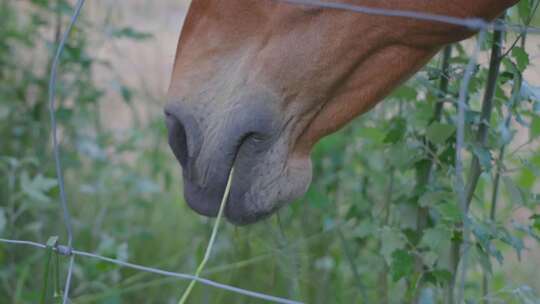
pixel 244 207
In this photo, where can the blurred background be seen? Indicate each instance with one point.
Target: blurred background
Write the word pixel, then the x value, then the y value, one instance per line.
pixel 354 238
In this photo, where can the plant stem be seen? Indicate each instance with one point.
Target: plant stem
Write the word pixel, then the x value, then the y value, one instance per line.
pixel 211 241
pixel 485 116
pixel 443 82
pixel 494 199
pixel 352 264
pixel 496 182
pixel 383 275
pixel 425 177
pixel 459 184
pixel 57 286
pixel 45 287
pixel 476 169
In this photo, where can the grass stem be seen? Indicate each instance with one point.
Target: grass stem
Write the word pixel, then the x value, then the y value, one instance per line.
pixel 212 240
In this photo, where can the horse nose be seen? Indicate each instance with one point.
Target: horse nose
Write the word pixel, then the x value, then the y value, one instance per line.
pixel 184 136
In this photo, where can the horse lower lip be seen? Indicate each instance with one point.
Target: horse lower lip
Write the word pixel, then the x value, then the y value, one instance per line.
pixel 197 201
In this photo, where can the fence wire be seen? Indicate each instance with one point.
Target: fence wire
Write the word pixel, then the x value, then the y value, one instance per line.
pixel 460 139
pixel 56 146
pixel 477 24
pixel 68 250
pixel 64 250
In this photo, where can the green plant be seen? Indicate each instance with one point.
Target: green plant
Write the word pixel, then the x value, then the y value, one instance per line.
pixel 376 225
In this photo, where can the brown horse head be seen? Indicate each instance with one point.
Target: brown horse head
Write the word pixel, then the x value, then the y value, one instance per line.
pixel 256 83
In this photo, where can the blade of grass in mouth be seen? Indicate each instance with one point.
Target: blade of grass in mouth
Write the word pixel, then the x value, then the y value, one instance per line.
pixel 208 251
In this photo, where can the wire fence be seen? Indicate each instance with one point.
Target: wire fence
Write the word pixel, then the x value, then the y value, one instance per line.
pixel 67 250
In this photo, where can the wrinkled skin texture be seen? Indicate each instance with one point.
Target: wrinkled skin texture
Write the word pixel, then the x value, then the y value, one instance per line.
pixel 256 83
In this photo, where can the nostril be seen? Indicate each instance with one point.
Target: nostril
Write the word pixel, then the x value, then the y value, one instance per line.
pixel 257 137
pixel 254 137
pixel 253 142
pixel 177 138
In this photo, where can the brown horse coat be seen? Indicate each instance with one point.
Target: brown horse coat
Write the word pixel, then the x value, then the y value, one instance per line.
pixel 256 83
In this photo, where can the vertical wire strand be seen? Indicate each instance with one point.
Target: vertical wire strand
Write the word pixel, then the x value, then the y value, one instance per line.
pixel 56 148
pixel 459 182
pixel 65 298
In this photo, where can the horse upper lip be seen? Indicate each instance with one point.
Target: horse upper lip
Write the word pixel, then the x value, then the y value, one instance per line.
pixel 204 190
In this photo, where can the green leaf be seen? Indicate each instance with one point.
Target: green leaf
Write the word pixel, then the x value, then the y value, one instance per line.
pixel 401 156
pixel 127 94
pixel 64 113
pixel 506 237
pixel 526 229
pixel 374 134
pixel 534 131
pixel 438 277
pixel 316 198
pixel 434 237
pixel 521 57
pixel 430 199
pixel 535 218
pixel 430 258
pixel 524 9
pixel 505 134
pixel 4 112
pixel 514 191
pixel 536 107
pixel 438 132
pixel 484 157
pixel 483 259
pixel 405 92
pixel 364 229
pixel 422 115
pixel 392 240
pixel 442 275
pixel 398 127
pixel 3 221
pixel 484 234
pixel 526 179
pixel 530 92
pixel 402 264
pixel 52 241
pixel 37 187
pixel 128 32
pixel 449 211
